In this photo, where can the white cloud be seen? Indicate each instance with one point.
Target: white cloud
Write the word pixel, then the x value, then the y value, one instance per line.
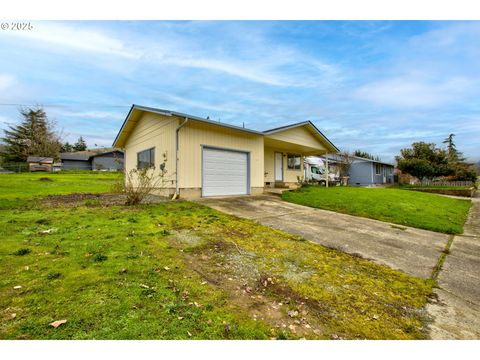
pixel 75 37
pixel 7 82
pixel 266 63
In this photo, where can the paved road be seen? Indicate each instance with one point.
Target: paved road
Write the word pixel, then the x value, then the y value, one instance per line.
pixel 413 251
pixel 457 314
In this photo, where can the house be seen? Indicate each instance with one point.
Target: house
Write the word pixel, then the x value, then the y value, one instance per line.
pixel 362 171
pixel 39 163
pixel 210 158
pixel 370 172
pixel 98 159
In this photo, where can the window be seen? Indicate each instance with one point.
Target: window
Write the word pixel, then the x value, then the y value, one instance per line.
pixel 315 170
pixel 146 159
pixel 294 162
pixel 378 169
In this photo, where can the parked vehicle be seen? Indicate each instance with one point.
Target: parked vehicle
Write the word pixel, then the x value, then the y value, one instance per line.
pixel 315 171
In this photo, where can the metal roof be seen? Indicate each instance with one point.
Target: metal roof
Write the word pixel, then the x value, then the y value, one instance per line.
pixel 217 123
pixel 41 159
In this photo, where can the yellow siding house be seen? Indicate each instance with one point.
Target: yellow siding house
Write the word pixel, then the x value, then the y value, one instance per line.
pixel 209 158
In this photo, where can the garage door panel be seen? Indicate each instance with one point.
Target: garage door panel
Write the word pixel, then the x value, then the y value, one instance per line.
pixel 224 172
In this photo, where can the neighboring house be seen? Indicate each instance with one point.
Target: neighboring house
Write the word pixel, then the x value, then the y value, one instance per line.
pixel 370 172
pixel 362 171
pixel 209 158
pixel 39 163
pixel 98 159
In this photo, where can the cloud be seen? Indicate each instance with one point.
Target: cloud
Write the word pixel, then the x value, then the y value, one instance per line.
pixel 266 63
pixel 7 82
pixel 405 92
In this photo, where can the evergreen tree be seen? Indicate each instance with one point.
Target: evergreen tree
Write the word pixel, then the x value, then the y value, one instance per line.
pixel 365 155
pixel 66 147
pixel 35 135
pixel 80 145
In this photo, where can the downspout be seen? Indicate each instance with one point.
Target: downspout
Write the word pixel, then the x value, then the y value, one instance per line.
pixel 177 189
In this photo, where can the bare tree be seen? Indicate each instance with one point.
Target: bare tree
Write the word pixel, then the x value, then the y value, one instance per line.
pixel 344 165
pixel 139 183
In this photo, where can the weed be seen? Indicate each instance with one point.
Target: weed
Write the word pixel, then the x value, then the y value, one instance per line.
pixel 22 251
pixel 99 257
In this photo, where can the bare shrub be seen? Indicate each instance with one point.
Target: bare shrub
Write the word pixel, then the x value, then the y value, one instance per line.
pixel 139 183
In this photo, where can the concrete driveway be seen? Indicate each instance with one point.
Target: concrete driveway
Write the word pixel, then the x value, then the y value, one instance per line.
pixel 457 312
pixel 413 251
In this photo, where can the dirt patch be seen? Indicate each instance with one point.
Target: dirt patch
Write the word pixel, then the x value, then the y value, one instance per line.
pixel 261 296
pixel 45 179
pixel 94 200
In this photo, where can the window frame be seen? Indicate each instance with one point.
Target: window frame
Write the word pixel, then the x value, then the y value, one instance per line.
pixel 151 162
pixel 378 169
pixel 294 168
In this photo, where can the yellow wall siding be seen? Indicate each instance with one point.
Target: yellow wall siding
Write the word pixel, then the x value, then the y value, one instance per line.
pixel 298 135
pixel 153 130
pixel 195 134
pixel 289 176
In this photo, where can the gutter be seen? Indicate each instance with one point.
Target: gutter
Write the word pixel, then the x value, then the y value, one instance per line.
pixel 177 190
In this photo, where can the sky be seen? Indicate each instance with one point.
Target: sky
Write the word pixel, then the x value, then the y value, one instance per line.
pixel 374 86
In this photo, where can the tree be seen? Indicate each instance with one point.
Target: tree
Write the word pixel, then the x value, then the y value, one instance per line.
pixel 454 156
pixel 80 145
pixel 35 135
pixel 365 155
pixel 345 163
pixel 424 160
pixel 66 147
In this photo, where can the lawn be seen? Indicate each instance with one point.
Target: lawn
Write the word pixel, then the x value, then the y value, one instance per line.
pixel 180 270
pixel 19 189
pixel 416 209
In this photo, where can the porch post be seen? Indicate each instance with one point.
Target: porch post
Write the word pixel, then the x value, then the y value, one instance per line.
pixel 326 170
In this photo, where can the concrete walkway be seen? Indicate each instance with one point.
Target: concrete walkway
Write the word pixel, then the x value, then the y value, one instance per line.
pixel 411 250
pixel 457 312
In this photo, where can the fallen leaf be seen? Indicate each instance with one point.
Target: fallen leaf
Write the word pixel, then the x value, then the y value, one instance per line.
pixel 180 318
pixel 144 286
pixel 189 334
pixel 17 287
pixel 166 268
pixel 57 323
pixel 13 316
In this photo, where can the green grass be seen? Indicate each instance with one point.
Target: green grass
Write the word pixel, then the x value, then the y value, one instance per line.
pixel 416 209
pixel 180 270
pixel 21 188
pixel 439 187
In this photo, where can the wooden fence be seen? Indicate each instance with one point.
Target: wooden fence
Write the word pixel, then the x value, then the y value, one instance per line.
pixel 447 183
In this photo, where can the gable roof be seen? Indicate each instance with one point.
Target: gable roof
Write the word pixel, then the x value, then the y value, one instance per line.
pixel 40 159
pixel 87 154
pixel 136 108
pixel 299 124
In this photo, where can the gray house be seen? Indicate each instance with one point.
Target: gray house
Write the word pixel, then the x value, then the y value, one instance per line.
pixel 370 172
pixel 362 172
pixel 98 159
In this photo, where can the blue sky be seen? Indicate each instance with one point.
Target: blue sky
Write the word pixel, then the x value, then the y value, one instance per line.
pixel 375 86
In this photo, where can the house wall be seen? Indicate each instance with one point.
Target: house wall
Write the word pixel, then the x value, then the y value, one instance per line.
pixel 289 176
pixel 110 161
pixel 360 173
pixel 153 131
pixel 195 134
pixel 364 173
pixel 76 165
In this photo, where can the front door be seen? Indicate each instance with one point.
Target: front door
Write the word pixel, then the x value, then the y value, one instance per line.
pixel 278 166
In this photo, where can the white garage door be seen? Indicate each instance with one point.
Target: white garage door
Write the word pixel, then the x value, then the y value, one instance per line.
pixel 224 172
